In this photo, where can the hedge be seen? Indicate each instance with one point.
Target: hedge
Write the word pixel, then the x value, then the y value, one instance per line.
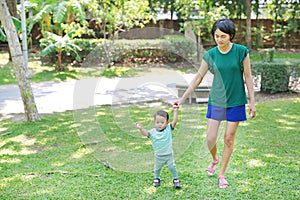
pixel 172 48
pixel 276 75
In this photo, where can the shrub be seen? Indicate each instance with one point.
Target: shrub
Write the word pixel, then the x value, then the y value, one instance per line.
pixel 277 75
pixel 171 48
pixel 87 45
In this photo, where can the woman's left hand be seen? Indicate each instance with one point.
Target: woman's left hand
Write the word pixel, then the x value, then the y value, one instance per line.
pixel 252 111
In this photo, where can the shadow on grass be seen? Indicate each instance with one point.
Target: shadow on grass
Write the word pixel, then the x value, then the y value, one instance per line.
pixel 49 75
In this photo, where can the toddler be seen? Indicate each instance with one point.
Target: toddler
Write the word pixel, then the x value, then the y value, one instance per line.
pixel 161 137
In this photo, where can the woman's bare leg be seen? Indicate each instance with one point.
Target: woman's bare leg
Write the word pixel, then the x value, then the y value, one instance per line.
pixel 211 137
pixel 229 135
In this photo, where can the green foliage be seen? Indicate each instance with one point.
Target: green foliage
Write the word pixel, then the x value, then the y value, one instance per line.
pixel 18 26
pixel 285 16
pixel 181 46
pixel 171 48
pixel 7 74
pixel 87 45
pixel 203 25
pixel 53 15
pixel 106 53
pixel 259 33
pixel 267 55
pixel 58 44
pixel 117 72
pixel 114 17
pixel 276 76
pixel 2 36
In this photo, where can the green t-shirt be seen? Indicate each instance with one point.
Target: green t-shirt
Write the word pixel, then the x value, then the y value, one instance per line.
pixel 161 140
pixel 228 88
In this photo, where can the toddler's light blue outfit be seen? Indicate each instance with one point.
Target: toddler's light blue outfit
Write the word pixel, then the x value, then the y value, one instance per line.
pixel 163 151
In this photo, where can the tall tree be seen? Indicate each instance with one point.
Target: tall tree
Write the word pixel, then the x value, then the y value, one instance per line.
pixel 248 24
pixel 12 7
pixel 31 113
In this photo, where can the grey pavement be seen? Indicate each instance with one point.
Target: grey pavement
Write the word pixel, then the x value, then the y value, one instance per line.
pixel 51 97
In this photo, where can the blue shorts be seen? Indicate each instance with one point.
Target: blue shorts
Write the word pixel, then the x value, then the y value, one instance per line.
pixel 233 114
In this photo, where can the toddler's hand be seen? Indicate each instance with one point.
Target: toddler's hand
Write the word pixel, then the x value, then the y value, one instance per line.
pixel 138 125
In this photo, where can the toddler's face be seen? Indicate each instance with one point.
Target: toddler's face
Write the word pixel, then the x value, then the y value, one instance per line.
pixel 160 122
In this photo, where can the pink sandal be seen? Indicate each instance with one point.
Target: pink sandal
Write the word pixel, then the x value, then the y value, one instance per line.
pixel 222 182
pixel 211 170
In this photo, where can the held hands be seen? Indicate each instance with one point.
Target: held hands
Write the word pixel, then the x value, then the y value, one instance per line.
pixel 175 106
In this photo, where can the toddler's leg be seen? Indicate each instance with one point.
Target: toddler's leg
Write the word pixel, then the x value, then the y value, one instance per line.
pixel 172 167
pixel 158 165
pixel 173 171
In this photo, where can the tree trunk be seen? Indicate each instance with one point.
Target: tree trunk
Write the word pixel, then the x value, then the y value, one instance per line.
pixel 60 67
pixel 31 113
pixel 12 7
pixel 248 24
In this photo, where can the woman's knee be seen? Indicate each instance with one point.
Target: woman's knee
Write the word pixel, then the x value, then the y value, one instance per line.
pixel 229 140
pixel 211 139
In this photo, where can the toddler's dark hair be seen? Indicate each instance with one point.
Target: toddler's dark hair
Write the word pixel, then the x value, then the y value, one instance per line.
pixel 226 26
pixel 162 113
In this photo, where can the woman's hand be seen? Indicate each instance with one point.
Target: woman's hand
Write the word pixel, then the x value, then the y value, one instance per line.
pixel 175 106
pixel 252 110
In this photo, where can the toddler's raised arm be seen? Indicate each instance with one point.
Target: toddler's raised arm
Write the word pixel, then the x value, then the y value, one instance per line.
pixel 142 130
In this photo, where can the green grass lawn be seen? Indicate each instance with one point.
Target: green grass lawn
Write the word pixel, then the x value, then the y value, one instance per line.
pixel 45 72
pixel 60 156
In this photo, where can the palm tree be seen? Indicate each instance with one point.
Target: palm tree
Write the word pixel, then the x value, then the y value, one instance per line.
pixel 59 44
pixel 51 16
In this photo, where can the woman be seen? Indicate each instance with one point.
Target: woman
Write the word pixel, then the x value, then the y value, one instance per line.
pixel 230 64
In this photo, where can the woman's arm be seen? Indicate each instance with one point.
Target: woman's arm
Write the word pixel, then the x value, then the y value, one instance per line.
pixel 195 82
pixel 249 84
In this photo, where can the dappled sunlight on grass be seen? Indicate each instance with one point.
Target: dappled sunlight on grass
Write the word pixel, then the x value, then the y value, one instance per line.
pixel 40 192
pixel 286 122
pixel 24 151
pixel 245 124
pixel 287 128
pixel 24 140
pixel 118 71
pixel 58 164
pixel 268 155
pixel 18 145
pixel 29 176
pixel 80 153
pixel 277 109
pixel 244 186
pixel 150 189
pixel 292 117
pixel 5 181
pixel 255 163
pixel 249 150
pixel 11 160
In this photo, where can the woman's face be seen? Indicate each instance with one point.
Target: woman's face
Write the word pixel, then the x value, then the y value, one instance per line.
pixel 222 39
pixel 160 122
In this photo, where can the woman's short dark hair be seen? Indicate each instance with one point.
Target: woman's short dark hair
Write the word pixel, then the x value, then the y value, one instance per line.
pixel 162 113
pixel 226 26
